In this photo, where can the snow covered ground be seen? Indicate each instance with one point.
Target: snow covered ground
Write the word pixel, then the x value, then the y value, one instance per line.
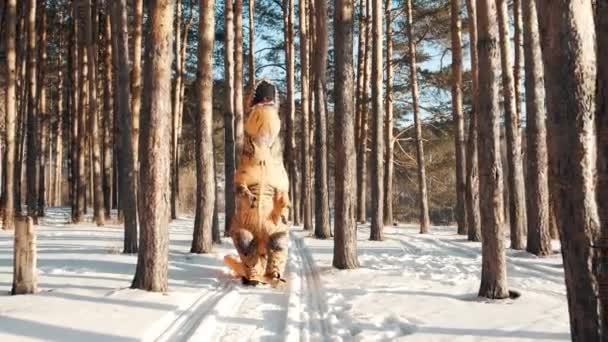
pixel 409 288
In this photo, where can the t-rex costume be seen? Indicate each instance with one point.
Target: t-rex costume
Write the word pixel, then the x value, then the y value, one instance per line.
pixel 259 227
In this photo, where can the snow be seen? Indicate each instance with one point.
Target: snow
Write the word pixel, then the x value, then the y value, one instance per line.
pixel 410 287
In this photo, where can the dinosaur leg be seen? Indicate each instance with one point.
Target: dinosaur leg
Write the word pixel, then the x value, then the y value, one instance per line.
pixel 277 254
pixel 246 245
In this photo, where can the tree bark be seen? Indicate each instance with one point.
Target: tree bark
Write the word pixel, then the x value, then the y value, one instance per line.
pixel 567 38
pixel 229 143
pixel 75 114
pixel 322 224
pixel 10 113
pixel 107 116
pixel 251 12
pixel 83 109
pixel 215 224
pixel 493 262
pixel 517 199
pixel 202 241
pixel 238 78
pixel 290 151
pixel 138 12
pixel 32 119
pixel 25 280
pixel 306 202
pixel 377 171
pixel 345 239
pixel 388 120
pixel 458 117
pixel 422 197
pixel 359 95
pixel 153 257
pixel 21 104
pixel 518 54
pixel 363 124
pixel 472 186
pixel 602 162
pixel 537 183
pixel 176 109
pixel 124 120
pixel 43 117
pixel 91 39
pixel 56 194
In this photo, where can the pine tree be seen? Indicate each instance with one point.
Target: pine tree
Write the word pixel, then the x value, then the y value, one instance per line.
pixel 306 201
pixel 388 120
pixel 152 260
pixel 10 112
pixel 202 241
pixel 494 269
pixel 458 117
pixel 345 240
pixel 32 119
pixel 537 183
pixel 601 9
pixel 517 204
pixel 126 154
pixel 322 224
pixel 472 186
pixel 229 147
pixel 569 57
pixel 290 150
pixel 422 189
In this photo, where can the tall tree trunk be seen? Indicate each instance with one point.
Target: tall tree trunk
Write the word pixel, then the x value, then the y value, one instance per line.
pixel 306 202
pixel 602 162
pixel 517 199
pixel 215 224
pixel 136 86
pixel 56 198
pixel 422 190
pixel 21 106
pixel 75 114
pixel 359 96
pixel 472 190
pixel 83 109
pixel 107 116
pixel 124 122
pixel 377 174
pixel 345 240
pixel 493 261
pixel 363 125
pixel 322 224
pixel 91 43
pixel 43 118
pixel 10 113
pixel 290 151
pixel 180 110
pixel 458 117
pixel 567 38
pixel 202 241
pixel 518 54
pixel 229 143
pixel 251 13
pixel 537 183
pixel 32 118
pixel 176 109
pixel 388 120
pixel 238 78
pixel 153 257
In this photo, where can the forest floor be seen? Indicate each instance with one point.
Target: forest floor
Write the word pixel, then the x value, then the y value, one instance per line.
pixel 410 287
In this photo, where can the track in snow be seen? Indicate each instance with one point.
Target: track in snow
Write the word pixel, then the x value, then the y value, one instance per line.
pixel 534 270
pixel 233 312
